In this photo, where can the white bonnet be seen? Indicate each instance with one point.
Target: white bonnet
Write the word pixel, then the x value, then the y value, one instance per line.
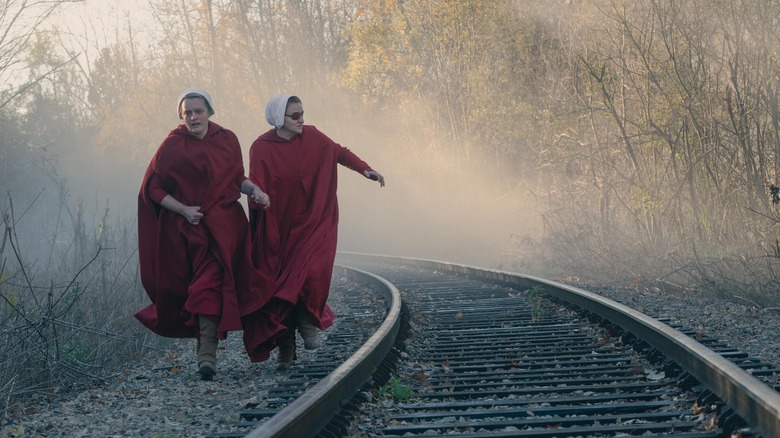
pixel 274 110
pixel 199 92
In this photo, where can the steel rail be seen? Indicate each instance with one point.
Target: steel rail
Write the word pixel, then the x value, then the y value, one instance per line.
pixel 313 410
pixel 753 400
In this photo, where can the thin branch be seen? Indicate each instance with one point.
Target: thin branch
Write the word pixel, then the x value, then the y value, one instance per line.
pixel 21 90
pixel 29 206
pixel 73 280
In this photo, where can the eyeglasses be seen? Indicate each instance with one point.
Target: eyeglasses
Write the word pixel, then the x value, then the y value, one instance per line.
pixel 295 115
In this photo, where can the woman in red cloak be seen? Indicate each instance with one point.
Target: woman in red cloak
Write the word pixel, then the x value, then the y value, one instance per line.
pixel 193 235
pixel 294 241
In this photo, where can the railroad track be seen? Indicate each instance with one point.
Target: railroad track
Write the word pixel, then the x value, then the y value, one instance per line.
pixel 490 354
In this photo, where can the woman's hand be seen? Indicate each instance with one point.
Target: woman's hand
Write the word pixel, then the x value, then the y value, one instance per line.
pixel 191 213
pixel 255 193
pixel 260 197
pixel 373 174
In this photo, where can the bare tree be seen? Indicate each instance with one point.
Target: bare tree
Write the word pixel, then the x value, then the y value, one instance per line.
pixel 679 144
pixel 19 20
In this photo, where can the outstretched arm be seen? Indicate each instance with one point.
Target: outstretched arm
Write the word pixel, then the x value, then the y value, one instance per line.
pixel 349 159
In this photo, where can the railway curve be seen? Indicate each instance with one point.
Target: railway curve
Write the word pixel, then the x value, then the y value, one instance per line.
pixel 752 399
pixel 746 406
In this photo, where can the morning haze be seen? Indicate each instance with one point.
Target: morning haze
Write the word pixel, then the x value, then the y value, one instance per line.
pixel 435 205
pixel 608 141
pixel 503 127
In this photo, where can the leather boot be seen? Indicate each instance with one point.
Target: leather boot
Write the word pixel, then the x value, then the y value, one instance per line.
pixel 286 350
pixel 207 348
pixel 309 333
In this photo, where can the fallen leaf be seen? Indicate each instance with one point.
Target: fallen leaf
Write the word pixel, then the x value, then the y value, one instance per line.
pixel 713 423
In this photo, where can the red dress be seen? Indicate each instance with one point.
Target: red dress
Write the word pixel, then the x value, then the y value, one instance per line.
pixel 197 269
pixel 294 240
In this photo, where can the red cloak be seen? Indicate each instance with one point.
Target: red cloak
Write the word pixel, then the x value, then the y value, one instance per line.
pixel 197 269
pixel 294 240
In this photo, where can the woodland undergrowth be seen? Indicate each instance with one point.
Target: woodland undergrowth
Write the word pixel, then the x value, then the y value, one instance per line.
pixel 66 317
pixel 575 251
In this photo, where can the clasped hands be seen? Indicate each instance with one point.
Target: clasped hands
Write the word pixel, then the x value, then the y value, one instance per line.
pixel 260 197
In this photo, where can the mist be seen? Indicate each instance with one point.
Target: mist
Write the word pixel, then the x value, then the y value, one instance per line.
pixel 595 142
pixel 430 208
pixel 494 123
pixel 435 204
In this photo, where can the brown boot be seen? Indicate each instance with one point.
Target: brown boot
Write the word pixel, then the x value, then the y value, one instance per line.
pixel 286 350
pixel 207 348
pixel 309 332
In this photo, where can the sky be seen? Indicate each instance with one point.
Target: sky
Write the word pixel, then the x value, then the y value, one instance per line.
pixel 102 19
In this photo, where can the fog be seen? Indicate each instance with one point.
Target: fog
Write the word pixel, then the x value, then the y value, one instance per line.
pixel 434 206
pixel 599 142
pixel 429 209
pixel 419 93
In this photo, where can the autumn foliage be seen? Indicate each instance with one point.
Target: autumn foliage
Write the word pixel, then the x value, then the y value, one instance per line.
pixel 630 141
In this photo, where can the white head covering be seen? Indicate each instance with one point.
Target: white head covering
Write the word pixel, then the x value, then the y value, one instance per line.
pixel 200 92
pixel 274 111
